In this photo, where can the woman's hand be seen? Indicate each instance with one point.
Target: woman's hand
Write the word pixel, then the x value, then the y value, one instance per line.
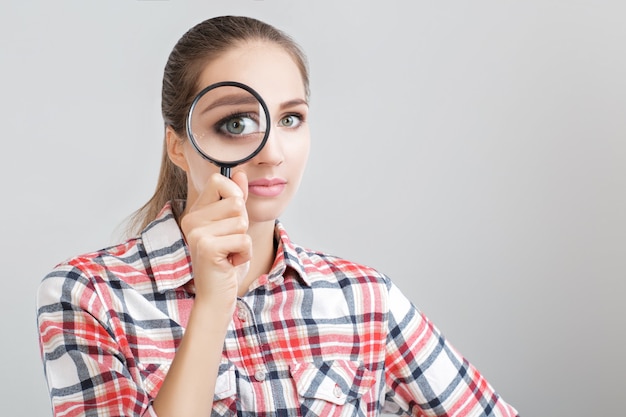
pixel 215 228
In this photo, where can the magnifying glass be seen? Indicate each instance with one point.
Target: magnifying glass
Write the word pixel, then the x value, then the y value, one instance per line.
pixel 228 124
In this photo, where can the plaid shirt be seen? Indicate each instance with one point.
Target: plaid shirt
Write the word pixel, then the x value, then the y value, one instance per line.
pixel 317 336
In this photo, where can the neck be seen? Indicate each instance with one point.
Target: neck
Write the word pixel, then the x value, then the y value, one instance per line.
pixel 263 253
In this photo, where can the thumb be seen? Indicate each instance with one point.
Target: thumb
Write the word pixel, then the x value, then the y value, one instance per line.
pixel 241 179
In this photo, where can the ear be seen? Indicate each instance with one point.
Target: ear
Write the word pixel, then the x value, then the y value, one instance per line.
pixel 175 149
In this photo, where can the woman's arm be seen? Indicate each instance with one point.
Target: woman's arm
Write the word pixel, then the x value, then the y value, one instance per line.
pixel 85 366
pixel 103 354
pixel 190 383
pixel 215 229
pixel 426 375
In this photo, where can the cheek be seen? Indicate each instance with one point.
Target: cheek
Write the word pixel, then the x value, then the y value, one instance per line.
pixel 199 172
pixel 304 155
pixel 299 153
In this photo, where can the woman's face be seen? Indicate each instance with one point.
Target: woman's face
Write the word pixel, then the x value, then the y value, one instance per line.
pixel 274 174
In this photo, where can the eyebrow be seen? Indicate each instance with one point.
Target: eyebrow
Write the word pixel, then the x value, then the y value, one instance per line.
pixel 231 100
pixel 238 99
pixel 293 103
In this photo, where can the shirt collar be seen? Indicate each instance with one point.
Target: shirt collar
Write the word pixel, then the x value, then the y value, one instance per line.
pixel 166 251
pixel 289 255
pixel 170 262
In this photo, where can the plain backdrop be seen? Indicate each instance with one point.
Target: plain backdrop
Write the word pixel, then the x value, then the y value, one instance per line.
pixel 473 151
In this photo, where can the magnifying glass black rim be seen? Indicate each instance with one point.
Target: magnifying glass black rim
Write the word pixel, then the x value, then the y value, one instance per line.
pixel 257 96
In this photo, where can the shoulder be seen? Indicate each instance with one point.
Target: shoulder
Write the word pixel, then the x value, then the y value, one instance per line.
pixel 322 268
pixel 82 274
pixel 157 251
pixel 115 257
pixel 319 267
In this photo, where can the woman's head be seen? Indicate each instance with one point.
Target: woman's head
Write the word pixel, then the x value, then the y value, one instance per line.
pixel 203 45
pixel 206 42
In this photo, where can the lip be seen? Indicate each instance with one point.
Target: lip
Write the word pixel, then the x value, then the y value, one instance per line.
pixel 267 187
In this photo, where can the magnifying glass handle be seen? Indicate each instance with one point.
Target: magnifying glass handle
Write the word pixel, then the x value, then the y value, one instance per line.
pixel 225 171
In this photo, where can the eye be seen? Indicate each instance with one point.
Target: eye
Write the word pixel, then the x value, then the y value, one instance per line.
pixel 292 120
pixel 239 125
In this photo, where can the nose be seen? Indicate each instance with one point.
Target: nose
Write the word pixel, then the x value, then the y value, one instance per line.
pixel 272 152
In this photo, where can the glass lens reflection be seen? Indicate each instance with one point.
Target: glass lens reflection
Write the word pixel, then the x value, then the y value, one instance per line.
pixel 228 124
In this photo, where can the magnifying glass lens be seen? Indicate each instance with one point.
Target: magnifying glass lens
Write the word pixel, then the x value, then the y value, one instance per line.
pixel 228 125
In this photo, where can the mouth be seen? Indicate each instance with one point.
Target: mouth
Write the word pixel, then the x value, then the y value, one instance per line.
pixel 267 187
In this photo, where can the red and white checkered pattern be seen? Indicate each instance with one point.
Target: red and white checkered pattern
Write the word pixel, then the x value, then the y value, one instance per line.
pixel 317 336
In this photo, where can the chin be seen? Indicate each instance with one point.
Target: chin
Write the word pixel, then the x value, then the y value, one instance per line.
pixel 260 210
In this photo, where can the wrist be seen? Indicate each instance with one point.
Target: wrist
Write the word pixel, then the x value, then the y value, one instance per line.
pixel 213 310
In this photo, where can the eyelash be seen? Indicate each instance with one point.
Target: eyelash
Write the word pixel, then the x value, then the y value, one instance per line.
pixel 224 120
pixel 298 116
pixel 232 116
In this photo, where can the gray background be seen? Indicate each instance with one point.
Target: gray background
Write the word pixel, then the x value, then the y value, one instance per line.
pixel 474 151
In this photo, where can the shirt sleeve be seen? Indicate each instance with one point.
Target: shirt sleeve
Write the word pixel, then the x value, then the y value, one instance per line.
pixel 426 376
pixel 85 370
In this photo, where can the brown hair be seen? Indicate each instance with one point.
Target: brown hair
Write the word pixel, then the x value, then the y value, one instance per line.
pixel 202 44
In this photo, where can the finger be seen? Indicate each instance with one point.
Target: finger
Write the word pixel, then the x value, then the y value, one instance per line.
pixel 218 187
pixel 240 258
pixel 224 227
pixel 225 251
pixel 241 179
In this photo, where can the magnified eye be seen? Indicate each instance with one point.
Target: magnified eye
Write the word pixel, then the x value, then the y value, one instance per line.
pixel 239 125
pixel 291 120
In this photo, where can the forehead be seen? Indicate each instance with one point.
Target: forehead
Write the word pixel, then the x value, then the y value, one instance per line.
pixel 265 66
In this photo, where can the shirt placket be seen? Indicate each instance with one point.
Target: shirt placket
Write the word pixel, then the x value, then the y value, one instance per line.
pixel 255 390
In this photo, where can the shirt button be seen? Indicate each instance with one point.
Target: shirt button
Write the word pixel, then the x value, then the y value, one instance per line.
pixel 259 376
pixel 241 314
pixel 337 391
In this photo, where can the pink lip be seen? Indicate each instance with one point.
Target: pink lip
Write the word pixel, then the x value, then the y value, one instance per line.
pixel 267 187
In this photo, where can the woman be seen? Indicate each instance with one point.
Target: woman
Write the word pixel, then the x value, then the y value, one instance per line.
pixel 212 310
